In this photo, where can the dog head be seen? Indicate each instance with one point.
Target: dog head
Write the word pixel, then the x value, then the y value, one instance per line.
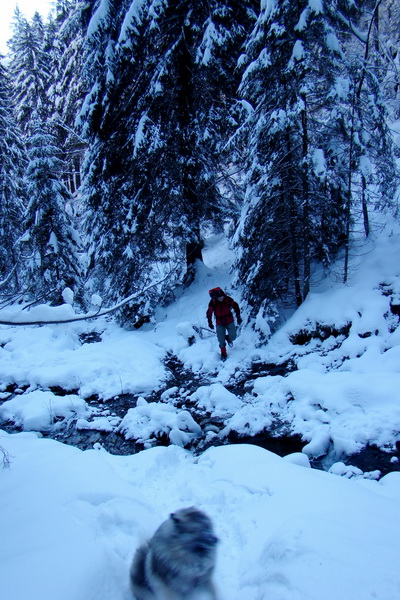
pixel 195 530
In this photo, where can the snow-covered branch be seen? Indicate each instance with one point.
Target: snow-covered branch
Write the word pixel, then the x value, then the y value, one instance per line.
pixel 100 312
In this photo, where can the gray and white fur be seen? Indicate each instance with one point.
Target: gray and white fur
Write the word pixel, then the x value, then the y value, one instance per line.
pixel 177 563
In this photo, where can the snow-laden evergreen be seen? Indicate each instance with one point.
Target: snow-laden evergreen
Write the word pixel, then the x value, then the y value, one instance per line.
pixel 178 118
pixel 30 70
pixel 317 140
pixel 50 244
pixel 67 89
pixel 12 163
pixel 155 118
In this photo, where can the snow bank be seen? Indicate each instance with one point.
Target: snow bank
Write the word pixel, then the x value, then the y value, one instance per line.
pixel 71 520
pixel 67 522
pixel 344 409
pixel 124 362
pixel 216 400
pixel 38 411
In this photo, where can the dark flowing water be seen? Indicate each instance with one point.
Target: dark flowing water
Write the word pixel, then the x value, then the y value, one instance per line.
pixel 278 439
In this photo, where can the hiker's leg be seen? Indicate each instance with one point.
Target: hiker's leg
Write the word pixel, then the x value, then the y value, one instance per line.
pixel 221 335
pixel 231 331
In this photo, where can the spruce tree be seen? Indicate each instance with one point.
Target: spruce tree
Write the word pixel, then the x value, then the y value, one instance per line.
pixel 12 163
pixel 157 90
pixel 367 151
pixel 50 243
pixel 30 71
pixel 302 136
pixel 68 88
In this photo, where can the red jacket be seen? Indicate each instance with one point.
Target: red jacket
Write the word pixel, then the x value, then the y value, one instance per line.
pixel 222 309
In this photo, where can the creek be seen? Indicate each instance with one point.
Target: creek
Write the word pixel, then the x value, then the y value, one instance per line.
pixel 278 439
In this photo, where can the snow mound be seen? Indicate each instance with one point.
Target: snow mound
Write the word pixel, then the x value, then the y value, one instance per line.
pixel 148 421
pixel 38 410
pixel 216 400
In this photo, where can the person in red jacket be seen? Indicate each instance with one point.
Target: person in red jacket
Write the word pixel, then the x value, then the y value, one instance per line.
pixel 221 306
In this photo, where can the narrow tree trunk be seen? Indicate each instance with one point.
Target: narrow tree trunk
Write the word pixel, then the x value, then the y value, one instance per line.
pixel 348 210
pixel 188 176
pixel 295 259
pixel 306 208
pixel 289 201
pixel 365 206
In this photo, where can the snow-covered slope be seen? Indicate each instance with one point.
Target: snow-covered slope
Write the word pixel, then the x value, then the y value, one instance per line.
pixel 71 520
pixel 343 344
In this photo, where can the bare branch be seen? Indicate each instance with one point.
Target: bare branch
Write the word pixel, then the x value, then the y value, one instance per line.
pixel 8 277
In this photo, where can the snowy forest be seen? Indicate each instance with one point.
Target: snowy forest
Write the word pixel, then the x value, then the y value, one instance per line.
pixel 131 128
pixel 151 151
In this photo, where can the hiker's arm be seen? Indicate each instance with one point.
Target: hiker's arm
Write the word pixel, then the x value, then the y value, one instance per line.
pixel 209 315
pixel 236 308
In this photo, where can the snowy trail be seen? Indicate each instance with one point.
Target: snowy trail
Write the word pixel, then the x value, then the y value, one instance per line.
pixel 176 321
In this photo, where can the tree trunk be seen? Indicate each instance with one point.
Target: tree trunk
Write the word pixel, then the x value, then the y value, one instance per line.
pixel 365 207
pixel 306 200
pixel 191 201
pixel 348 210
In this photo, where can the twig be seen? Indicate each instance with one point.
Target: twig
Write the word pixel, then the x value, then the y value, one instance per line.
pixel 6 458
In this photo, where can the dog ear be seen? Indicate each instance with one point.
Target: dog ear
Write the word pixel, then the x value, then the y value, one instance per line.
pixel 180 515
pixel 177 517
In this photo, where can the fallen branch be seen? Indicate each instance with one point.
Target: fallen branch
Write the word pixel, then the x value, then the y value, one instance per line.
pixel 93 315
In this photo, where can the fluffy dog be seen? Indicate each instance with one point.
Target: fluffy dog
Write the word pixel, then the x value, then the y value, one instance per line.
pixel 178 561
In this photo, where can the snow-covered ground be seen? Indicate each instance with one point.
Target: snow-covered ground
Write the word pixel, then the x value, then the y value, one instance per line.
pixel 70 520
pixel 344 394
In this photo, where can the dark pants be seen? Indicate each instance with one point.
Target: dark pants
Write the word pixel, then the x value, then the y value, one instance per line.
pixel 226 330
